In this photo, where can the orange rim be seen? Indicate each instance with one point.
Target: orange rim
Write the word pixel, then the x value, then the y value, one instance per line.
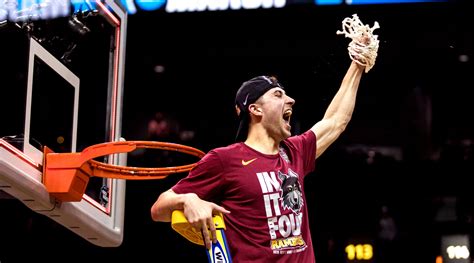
pixel 101 169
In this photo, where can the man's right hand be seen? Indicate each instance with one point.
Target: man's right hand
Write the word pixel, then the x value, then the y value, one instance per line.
pixel 199 214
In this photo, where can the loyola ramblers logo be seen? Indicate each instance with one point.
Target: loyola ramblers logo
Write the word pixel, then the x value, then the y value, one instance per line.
pixel 283 202
pixel 291 196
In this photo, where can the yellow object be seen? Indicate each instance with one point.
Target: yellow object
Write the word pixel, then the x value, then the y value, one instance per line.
pixel 182 226
pixel 219 251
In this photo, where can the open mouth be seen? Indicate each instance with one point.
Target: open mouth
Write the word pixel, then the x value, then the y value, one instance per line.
pixel 287 115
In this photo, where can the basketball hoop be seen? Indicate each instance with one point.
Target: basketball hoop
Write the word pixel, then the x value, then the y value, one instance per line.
pixel 66 175
pixel 101 169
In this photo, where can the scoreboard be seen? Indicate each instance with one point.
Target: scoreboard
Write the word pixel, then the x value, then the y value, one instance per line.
pixel 171 6
pixel 21 10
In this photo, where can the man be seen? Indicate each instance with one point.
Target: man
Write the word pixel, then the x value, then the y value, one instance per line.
pixel 258 183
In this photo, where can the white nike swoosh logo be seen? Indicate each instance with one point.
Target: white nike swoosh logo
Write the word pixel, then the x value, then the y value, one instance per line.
pixel 245 101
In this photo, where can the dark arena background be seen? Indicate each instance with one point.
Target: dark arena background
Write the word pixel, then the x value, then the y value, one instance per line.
pixel 395 187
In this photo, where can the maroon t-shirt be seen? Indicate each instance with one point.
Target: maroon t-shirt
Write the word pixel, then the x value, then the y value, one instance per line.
pixel 268 220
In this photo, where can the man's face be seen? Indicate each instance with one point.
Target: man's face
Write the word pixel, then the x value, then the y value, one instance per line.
pixel 276 109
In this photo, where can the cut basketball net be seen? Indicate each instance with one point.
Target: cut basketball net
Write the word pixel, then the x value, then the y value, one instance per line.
pixel 364 45
pixel 66 175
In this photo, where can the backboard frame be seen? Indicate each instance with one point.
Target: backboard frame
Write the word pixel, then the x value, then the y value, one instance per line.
pixel 21 170
pixel 36 50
